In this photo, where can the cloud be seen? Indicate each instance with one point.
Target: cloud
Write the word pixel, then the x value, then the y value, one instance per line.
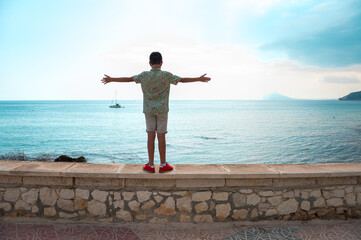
pixel 341 80
pixel 337 46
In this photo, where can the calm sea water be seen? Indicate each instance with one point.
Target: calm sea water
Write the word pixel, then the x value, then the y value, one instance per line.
pixel 199 131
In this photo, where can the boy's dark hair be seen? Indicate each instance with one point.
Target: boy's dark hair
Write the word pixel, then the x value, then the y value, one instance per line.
pixel 155 58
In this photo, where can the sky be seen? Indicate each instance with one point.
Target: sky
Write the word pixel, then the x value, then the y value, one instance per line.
pixel 59 50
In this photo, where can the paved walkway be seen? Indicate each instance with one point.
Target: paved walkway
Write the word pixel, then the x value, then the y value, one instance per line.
pixel 336 230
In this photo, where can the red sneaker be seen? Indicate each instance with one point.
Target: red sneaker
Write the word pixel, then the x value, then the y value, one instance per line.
pixel 166 168
pixel 148 168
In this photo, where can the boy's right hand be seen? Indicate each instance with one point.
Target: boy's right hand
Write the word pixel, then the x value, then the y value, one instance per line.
pixel 203 78
pixel 106 79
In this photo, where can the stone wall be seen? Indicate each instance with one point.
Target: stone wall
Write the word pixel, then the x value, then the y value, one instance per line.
pixel 41 191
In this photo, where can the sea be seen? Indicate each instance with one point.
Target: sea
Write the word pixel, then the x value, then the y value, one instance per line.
pixel 199 132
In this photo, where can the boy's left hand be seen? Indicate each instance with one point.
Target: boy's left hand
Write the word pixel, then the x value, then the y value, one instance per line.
pixel 106 79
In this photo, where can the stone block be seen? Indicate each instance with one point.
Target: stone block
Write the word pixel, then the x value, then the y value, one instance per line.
pixel 326 194
pixel 5 206
pixel 180 193
pixel 10 179
pixel 119 204
pixel 350 199
pixel 253 199
pixel 349 189
pixel 201 196
pixel 82 193
pixel 289 194
pixel 134 205
pixel 240 214
pixel 100 182
pixel 319 202
pixel 271 212
pixel 48 181
pixel 223 211
pixel 334 202
pixel 48 196
pixel 141 216
pixel 201 207
pixel 22 205
pixel 358 189
pixel 12 194
pixel 200 183
pixel 203 218
pixel 265 193
pixel 305 194
pixel 165 193
pixel 80 203
pixel 337 193
pixel 167 208
pixel 337 181
pixel 286 182
pixel 117 196
pixel 65 204
pixel 137 182
pixel 184 218
pixel 158 198
pixel 274 201
pixel 253 214
pixel 143 196
pixel 230 182
pixel 315 193
pixel 148 205
pixel 124 215
pixel 264 206
pixel 31 196
pixel 96 208
pixel 239 199
pixel 66 193
pixel 287 207
pixel 184 204
pixel 34 209
pixel 128 195
pixel 305 205
pixel 220 196
pixel 100 196
pixel 49 211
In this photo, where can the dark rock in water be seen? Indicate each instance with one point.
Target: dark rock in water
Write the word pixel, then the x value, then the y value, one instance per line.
pixel 65 158
pixel 352 96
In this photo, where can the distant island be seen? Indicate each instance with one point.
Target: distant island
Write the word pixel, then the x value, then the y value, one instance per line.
pixel 351 96
pixel 275 97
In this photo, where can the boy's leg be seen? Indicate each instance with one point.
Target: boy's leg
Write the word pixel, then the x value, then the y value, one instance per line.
pixel 161 147
pixel 151 139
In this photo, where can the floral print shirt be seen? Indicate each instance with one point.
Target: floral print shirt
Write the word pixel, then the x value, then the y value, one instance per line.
pixel 155 86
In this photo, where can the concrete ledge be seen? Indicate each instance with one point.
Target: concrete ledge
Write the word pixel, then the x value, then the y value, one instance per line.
pixel 183 176
pixel 181 171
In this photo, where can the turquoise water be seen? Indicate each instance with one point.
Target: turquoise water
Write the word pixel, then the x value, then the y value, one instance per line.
pixel 253 132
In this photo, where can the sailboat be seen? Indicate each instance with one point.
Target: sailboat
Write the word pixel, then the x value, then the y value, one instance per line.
pixel 116 105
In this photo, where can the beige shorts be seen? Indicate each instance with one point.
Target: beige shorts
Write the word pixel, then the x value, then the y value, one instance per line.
pixel 156 122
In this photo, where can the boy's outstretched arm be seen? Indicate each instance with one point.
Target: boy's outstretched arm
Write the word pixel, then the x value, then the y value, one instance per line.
pixel 108 79
pixel 202 78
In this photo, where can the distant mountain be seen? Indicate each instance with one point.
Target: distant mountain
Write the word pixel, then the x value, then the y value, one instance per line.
pixel 275 96
pixel 351 96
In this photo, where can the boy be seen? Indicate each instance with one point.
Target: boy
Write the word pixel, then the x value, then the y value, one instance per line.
pixel 155 86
